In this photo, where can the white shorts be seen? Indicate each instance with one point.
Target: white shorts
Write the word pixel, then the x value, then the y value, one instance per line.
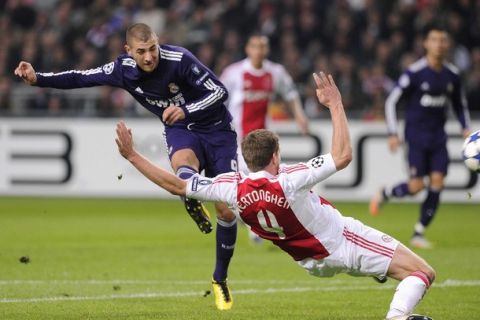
pixel 363 251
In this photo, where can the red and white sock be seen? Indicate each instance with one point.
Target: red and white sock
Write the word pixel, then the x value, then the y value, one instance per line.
pixel 408 294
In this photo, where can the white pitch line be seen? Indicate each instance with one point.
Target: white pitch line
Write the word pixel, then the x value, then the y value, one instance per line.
pixel 141 282
pixel 446 283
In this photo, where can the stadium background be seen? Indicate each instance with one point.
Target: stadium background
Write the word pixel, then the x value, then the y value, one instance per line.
pixel 364 43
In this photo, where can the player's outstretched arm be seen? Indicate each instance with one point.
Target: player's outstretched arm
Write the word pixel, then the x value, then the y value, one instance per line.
pixel 329 96
pixel 295 106
pixel 157 175
pixel 26 72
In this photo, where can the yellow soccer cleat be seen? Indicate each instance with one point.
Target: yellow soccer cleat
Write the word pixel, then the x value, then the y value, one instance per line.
pixel 223 297
pixel 199 214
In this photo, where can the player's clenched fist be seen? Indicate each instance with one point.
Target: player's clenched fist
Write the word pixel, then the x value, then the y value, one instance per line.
pixel 26 72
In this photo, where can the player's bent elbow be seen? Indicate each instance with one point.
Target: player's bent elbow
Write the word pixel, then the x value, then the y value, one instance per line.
pixel 343 161
pixel 178 191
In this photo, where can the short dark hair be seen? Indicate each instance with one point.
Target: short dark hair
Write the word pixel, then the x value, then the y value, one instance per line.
pixel 139 31
pixel 436 26
pixel 258 148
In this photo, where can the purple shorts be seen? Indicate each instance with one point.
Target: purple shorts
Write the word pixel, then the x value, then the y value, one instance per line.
pixel 216 150
pixel 424 158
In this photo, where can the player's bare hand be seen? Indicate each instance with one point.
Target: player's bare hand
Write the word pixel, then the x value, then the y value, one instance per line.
pixel 124 140
pixel 393 143
pixel 466 132
pixel 172 114
pixel 26 72
pixel 327 91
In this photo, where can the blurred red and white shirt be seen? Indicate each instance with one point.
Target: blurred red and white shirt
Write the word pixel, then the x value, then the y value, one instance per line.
pixel 251 90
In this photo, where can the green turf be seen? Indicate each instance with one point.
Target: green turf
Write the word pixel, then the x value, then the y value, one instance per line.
pixel 145 259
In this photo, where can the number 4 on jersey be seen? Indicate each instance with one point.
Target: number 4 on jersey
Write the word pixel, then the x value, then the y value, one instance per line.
pixel 269 223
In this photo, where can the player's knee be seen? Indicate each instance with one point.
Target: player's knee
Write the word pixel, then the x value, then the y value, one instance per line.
pixel 430 273
pixel 415 186
pixel 224 213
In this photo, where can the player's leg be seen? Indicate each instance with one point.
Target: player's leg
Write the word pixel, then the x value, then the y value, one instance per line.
pixel 185 164
pixel 225 239
pixel 417 161
pixel 186 158
pixel 415 276
pixel 221 156
pixel 366 251
pixel 439 165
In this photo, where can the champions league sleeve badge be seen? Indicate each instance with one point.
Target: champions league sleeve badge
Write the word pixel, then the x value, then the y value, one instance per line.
pixel 317 162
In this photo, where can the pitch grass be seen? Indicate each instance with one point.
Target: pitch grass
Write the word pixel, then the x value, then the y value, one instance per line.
pixel 145 259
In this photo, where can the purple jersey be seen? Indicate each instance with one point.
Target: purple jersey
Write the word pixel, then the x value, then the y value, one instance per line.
pixel 180 79
pixel 428 93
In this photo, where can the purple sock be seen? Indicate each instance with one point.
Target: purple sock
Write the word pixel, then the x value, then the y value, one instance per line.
pixel 400 190
pixel 429 207
pixel 226 237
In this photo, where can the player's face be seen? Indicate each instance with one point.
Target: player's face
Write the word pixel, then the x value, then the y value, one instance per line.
pixel 437 44
pixel 257 49
pixel 145 54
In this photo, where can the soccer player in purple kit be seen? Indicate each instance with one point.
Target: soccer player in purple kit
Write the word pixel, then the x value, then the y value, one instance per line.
pixel 188 98
pixel 428 87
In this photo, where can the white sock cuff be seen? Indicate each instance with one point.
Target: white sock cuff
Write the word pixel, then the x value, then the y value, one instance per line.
pixel 226 224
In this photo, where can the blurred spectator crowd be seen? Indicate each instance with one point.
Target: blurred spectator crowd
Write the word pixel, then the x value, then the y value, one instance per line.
pixel 365 44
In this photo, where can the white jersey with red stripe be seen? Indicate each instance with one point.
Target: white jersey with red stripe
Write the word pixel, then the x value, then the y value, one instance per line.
pixel 251 90
pixel 281 208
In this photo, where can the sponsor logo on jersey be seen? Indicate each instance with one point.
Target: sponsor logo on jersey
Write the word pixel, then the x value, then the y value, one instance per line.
pixel 177 100
pixel 174 88
pixel 433 101
pixel 256 95
pixel 195 69
pixel 317 162
pixel 108 68
pixel 129 62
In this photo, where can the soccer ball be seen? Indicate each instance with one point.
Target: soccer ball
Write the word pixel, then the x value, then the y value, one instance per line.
pixel 471 152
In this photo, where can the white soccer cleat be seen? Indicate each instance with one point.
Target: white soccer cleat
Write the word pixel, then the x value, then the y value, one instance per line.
pixel 420 242
pixel 376 202
pixel 254 238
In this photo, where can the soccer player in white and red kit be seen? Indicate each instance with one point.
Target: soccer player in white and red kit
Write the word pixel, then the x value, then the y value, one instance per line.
pixel 252 84
pixel 278 204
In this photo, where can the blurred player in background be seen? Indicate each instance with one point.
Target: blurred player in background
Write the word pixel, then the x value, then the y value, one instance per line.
pixel 278 204
pixel 252 84
pixel 428 86
pixel 188 98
